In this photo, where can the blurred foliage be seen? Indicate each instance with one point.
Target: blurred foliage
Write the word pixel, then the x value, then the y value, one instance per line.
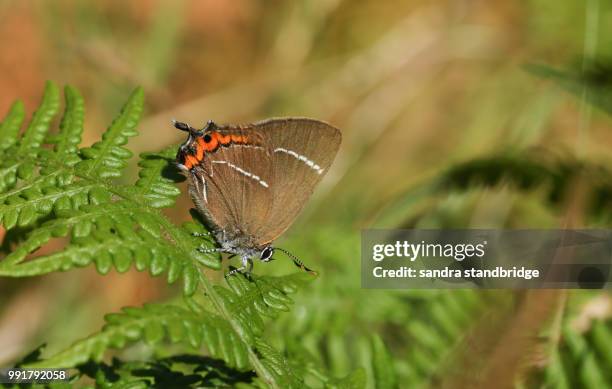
pixel 594 83
pixel 441 126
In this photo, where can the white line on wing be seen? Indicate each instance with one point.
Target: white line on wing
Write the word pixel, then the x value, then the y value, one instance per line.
pixel 302 158
pixel 244 172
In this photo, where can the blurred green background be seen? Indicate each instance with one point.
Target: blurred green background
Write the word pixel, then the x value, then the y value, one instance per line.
pixel 454 114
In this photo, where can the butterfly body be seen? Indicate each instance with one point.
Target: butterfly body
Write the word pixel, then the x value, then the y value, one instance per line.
pixel 251 181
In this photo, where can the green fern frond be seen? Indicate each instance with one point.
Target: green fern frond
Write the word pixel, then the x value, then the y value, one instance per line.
pixel 251 301
pixel 153 323
pixel 195 328
pixel 582 359
pixel 527 172
pixel 39 126
pixel 10 125
pixel 157 190
pixel 384 372
pixel 277 365
pixel 71 127
pixel 429 322
pixel 107 157
pixel 591 83
pixel 522 171
pixel 107 224
pixel 200 327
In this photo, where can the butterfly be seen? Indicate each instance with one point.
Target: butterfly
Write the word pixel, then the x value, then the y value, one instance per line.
pixel 250 182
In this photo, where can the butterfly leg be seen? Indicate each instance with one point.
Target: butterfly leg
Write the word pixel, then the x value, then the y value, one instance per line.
pixel 204 250
pixel 246 268
pixel 200 234
pixel 234 271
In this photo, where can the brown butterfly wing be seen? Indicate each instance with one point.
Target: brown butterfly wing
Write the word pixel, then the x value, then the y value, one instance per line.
pixel 302 150
pixel 232 187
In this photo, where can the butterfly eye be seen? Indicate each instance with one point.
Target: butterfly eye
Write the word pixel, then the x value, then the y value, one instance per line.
pixel 207 138
pixel 266 254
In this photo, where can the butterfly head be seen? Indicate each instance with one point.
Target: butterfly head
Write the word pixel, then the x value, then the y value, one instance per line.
pixel 191 152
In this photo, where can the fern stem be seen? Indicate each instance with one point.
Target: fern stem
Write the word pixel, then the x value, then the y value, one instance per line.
pixel 257 364
pixel 259 367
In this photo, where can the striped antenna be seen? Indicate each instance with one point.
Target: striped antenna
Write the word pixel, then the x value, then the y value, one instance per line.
pixel 297 261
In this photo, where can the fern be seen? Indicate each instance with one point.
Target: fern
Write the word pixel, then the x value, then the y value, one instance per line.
pixel 154 323
pixel 582 359
pixel 192 326
pixel 410 346
pixel 525 172
pixel 594 79
pixel 51 188
pixel 252 302
pixel 64 191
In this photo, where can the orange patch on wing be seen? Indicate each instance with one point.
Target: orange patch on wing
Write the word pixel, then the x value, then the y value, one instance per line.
pixel 241 139
pixel 218 139
pixel 190 161
pixel 223 139
pixel 212 145
pixel 200 149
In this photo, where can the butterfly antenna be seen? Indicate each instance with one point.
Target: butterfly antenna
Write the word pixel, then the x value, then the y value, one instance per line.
pixel 297 261
pixel 184 127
